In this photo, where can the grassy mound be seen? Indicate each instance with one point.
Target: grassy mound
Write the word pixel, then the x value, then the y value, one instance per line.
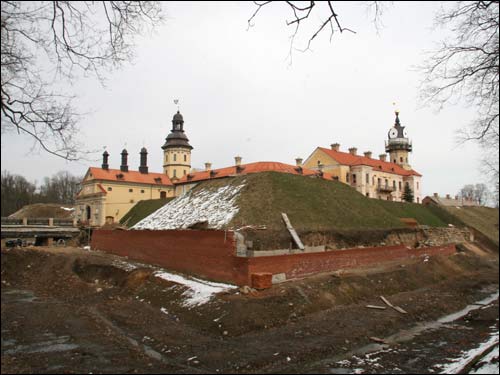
pixel 142 209
pixel 317 204
pixel 483 219
pixel 45 210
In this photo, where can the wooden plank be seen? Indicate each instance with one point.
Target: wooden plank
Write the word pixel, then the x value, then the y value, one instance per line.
pixel 376 307
pixel 292 231
pixel 376 339
pixel 397 308
pixel 386 301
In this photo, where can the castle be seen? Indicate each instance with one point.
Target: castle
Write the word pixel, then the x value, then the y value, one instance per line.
pixel 108 194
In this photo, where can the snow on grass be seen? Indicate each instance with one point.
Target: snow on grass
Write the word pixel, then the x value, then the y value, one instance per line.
pixel 199 291
pixel 217 207
pixel 67 209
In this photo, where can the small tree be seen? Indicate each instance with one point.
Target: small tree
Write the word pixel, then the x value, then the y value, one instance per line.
pixel 408 193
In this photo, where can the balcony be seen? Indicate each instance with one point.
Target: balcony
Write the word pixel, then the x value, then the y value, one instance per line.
pixel 398 144
pixel 385 188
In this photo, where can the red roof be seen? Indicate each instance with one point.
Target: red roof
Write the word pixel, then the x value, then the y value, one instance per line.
pixel 261 166
pixel 352 160
pixel 130 176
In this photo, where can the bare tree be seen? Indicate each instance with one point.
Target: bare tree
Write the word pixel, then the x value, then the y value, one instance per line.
pixel 301 12
pixel 466 68
pixel 44 43
pixel 478 193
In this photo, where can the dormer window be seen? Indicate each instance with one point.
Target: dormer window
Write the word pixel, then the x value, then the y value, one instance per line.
pixel 158 180
pixel 119 176
pixel 212 174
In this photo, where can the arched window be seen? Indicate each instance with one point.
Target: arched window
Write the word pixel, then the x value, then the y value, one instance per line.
pixel 401 159
pixel 163 194
pixel 175 173
pixel 175 157
pixel 185 157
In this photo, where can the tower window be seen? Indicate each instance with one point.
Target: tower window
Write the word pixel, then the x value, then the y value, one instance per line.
pixel 130 190
pixel 166 158
pixel 110 188
pixel 185 157
pixel 175 173
pixel 367 178
pixel 184 172
pixel 401 159
pixel 175 157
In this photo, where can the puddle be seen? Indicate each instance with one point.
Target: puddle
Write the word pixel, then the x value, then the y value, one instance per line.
pixel 15 295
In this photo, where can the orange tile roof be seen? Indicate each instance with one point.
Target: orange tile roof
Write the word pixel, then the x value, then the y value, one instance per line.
pixel 130 176
pixel 261 166
pixel 352 160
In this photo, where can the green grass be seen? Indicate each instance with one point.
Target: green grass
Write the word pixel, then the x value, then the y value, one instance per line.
pixel 483 219
pixel 425 215
pixel 141 210
pixel 317 204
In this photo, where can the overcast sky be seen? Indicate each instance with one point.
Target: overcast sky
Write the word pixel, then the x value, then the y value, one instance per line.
pixel 239 95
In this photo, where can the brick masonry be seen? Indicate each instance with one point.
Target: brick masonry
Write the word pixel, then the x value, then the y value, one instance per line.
pixel 212 254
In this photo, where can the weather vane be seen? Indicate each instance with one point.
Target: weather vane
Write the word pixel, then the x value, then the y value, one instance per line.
pixel 176 102
pixel 396 110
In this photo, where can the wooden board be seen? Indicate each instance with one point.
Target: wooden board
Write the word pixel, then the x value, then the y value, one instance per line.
pixel 292 231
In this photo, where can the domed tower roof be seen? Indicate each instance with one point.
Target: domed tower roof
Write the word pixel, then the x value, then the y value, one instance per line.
pixel 177 138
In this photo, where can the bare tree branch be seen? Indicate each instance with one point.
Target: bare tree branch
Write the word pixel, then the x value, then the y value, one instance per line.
pixel 73 39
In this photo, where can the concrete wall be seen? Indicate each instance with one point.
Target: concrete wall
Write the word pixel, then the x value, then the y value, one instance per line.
pixel 212 254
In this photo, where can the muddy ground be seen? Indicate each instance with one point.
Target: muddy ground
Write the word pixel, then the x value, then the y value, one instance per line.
pixel 66 310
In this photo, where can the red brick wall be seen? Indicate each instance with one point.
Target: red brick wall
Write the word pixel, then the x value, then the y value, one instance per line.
pixel 298 265
pixel 211 254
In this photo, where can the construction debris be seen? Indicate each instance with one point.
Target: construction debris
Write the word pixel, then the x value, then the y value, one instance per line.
pixel 376 307
pixel 292 231
pixel 397 308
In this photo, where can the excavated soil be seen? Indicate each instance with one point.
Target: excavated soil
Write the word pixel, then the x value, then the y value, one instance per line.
pixel 66 310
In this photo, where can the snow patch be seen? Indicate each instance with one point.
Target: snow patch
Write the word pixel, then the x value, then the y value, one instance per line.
pixel 217 207
pixel 199 291
pixel 67 209
pixel 458 364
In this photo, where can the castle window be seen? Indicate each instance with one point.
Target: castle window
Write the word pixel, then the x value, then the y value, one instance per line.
pixel 166 158
pixel 394 185
pixel 353 178
pixel 184 172
pixel 368 179
pixel 175 173
pixel 401 159
pixel 142 191
pixel 399 185
pixel 185 157
pixel 394 160
pixel 110 188
pixel 130 190
pixel 175 157
pixel 347 177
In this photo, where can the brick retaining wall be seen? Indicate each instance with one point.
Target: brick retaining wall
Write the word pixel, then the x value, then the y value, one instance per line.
pixel 212 254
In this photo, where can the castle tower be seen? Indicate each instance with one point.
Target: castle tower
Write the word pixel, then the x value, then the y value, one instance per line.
pixel 177 150
pixel 398 146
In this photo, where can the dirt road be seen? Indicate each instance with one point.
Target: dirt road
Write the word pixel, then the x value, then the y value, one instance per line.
pixel 71 311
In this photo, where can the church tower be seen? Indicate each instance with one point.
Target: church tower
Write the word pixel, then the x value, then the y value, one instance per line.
pixel 398 146
pixel 177 150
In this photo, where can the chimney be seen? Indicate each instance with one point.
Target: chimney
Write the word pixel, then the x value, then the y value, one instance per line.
pixel 105 164
pixel 382 157
pixel 335 146
pixel 237 160
pixel 298 162
pixel 208 166
pixel 448 196
pixel 368 154
pixel 143 168
pixel 436 195
pixel 353 150
pixel 124 166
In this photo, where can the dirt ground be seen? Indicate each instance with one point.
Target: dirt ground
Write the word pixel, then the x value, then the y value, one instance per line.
pixel 66 310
